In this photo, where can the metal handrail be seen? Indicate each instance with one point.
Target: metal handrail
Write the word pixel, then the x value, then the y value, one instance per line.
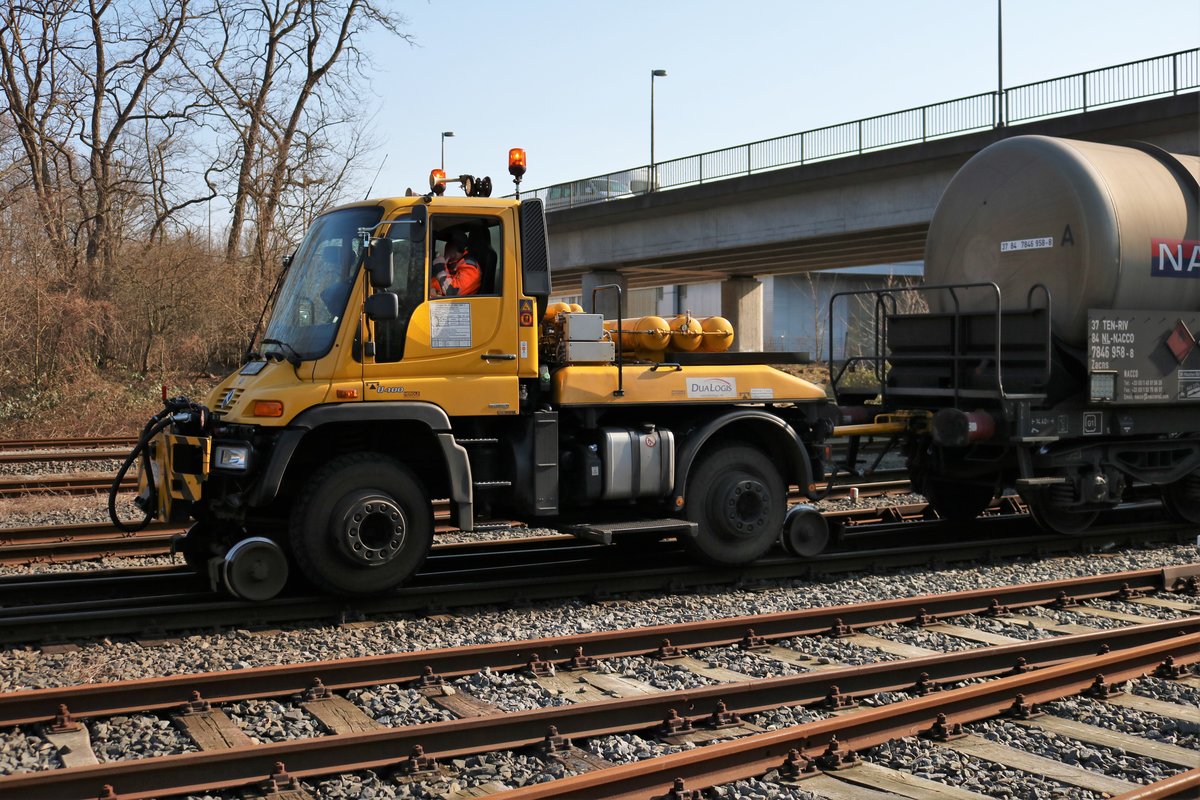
pixel 879 357
pixel 1016 104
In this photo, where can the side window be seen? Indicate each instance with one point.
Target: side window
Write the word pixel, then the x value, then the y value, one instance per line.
pixel 465 257
pixel 409 285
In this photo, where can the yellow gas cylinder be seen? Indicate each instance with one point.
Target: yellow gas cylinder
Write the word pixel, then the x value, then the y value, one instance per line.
pixel 653 333
pixel 629 337
pixel 576 308
pixel 554 309
pixel 718 335
pixel 686 332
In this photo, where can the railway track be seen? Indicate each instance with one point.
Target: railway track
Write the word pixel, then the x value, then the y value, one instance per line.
pixel 54 543
pixel 78 443
pixel 64 606
pixel 980 678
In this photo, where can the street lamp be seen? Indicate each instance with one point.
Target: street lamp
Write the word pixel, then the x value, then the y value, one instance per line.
pixel 653 180
pixel 445 135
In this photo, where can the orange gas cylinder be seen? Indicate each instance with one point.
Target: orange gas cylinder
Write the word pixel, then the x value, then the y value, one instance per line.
pixel 686 332
pixel 718 335
pixel 649 333
pixel 576 308
pixel 554 309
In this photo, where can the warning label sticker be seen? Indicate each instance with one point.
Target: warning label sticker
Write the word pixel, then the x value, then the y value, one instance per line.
pixel 449 324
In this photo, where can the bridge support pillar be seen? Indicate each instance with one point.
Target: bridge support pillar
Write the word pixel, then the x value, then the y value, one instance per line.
pixel 742 305
pixel 606 301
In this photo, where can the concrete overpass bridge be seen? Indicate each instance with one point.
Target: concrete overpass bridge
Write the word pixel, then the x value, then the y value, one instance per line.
pixel 857 210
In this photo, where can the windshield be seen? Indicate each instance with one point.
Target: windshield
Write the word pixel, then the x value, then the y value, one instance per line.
pixel 313 298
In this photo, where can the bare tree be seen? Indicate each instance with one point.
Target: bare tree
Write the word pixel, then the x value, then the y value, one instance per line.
pixel 263 69
pixel 35 91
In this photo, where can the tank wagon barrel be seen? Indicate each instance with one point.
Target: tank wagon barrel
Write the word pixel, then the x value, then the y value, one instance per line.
pixel 1052 346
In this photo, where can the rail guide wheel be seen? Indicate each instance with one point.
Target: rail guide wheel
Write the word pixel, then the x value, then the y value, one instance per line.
pixel 255 569
pixel 805 531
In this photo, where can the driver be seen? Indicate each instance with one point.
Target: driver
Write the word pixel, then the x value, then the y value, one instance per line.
pixel 457 273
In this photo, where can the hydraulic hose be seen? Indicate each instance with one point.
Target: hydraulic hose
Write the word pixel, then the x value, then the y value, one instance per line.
pixel 156 424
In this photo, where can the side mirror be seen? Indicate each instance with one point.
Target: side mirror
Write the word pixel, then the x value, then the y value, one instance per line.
pixel 379 264
pixel 382 306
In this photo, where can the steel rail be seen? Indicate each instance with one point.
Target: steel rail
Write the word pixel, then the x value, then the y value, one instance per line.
pixel 39 705
pixel 723 762
pixel 48 444
pixel 1067 669
pixel 19 457
pixel 1168 787
pixel 590 570
pixel 60 485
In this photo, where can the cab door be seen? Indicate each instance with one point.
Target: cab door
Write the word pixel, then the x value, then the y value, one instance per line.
pixel 461 353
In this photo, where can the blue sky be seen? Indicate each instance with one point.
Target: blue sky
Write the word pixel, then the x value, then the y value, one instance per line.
pixel 569 80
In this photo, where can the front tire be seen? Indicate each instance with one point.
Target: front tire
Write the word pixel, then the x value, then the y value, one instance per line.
pixel 363 525
pixel 738 499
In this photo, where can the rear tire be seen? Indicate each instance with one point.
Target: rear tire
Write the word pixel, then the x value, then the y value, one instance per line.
pixel 737 498
pixel 363 525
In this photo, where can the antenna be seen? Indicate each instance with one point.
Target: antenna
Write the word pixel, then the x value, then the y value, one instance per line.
pixel 372 186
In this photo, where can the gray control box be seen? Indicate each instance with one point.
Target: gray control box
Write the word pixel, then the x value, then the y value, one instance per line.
pixel 583 327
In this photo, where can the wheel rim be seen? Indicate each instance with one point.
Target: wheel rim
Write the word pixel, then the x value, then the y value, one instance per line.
pixel 744 506
pixel 370 528
pixel 255 569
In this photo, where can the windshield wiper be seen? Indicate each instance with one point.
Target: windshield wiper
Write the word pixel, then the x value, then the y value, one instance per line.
pixel 291 355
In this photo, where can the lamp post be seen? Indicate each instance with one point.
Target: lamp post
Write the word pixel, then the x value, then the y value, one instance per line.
pixel 999 63
pixel 653 178
pixel 445 135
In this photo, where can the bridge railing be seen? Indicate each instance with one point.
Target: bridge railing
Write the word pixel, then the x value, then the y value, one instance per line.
pixel 1124 83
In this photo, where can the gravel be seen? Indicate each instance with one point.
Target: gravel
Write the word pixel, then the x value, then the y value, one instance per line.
pixel 396 706
pixel 660 674
pixel 747 663
pixel 26 752
pixel 1130 720
pixel 136 736
pixel 829 650
pixel 929 761
pixel 625 748
pixel 1092 757
pixel 23 668
pixel 919 637
pixel 271 721
pixel 509 691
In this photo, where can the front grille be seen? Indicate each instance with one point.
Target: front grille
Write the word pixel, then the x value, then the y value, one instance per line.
pixel 229 399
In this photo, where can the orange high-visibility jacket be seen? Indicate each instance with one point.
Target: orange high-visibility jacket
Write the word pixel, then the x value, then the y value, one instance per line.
pixel 455 278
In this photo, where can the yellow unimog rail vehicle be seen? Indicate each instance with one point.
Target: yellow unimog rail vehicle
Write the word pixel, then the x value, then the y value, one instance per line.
pixel 367 400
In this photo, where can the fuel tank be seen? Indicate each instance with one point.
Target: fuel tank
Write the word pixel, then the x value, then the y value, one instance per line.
pixel 1101 226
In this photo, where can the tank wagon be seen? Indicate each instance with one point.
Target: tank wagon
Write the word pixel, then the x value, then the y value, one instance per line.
pixel 1052 345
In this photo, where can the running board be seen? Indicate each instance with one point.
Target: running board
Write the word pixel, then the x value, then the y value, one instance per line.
pixel 602 532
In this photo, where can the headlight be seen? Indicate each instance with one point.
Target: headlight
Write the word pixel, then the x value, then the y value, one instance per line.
pixel 233 457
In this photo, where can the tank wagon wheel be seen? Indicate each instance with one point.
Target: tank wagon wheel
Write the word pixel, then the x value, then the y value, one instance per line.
pixel 956 501
pixel 1055 517
pixel 363 525
pixel 1182 498
pixel 738 500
